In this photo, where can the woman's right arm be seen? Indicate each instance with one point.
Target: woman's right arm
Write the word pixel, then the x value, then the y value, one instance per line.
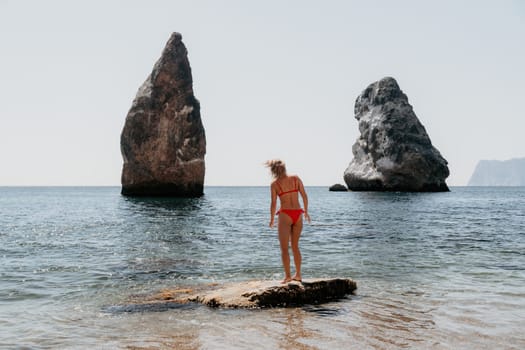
pixel 273 205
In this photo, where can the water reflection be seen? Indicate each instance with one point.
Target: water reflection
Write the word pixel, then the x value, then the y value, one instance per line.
pixel 294 333
pixel 163 239
pixel 148 330
pixel 155 205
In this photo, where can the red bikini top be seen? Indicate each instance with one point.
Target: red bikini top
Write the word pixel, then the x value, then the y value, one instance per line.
pixel 282 193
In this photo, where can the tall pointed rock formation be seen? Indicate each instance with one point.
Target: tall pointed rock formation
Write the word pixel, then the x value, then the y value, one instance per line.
pixel 163 141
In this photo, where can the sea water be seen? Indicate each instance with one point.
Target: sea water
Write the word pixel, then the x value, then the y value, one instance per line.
pixel 434 270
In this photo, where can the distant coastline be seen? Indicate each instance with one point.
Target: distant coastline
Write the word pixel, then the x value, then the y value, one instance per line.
pixel 499 173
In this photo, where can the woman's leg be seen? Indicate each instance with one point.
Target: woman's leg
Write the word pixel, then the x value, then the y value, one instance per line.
pixel 285 229
pixel 297 258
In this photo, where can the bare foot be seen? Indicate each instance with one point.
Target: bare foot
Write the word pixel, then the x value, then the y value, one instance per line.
pixel 297 278
pixel 286 280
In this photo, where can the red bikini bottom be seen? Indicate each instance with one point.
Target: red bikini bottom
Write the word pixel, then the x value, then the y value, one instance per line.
pixel 294 214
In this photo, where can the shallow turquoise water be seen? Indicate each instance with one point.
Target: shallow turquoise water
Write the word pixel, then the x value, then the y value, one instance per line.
pixel 435 270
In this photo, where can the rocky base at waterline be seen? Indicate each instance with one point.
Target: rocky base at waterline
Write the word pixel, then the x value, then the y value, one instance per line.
pixel 394 151
pixel 249 294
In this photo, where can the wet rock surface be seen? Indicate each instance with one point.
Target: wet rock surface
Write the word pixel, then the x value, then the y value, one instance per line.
pixel 163 142
pixel 394 151
pixel 250 294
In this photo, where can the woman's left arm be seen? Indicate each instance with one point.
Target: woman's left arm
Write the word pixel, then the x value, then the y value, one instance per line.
pixel 302 191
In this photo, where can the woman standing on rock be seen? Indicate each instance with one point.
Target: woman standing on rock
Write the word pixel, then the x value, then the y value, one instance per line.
pixel 290 222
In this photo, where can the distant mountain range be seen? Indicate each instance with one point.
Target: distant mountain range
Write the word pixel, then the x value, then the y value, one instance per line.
pixel 499 173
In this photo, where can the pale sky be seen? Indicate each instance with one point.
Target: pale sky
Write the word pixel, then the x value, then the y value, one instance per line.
pixel 276 79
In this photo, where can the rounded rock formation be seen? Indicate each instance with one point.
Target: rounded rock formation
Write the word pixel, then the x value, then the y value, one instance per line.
pixel 338 188
pixel 394 152
pixel 163 141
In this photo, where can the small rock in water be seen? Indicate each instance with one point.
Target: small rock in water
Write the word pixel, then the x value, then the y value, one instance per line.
pixel 338 188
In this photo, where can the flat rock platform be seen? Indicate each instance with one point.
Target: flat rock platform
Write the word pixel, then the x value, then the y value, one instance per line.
pixel 248 294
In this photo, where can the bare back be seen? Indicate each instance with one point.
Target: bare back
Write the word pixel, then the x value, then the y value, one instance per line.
pixel 287 188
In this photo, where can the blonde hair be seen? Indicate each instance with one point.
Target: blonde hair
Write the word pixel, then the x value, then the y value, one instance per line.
pixel 277 167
